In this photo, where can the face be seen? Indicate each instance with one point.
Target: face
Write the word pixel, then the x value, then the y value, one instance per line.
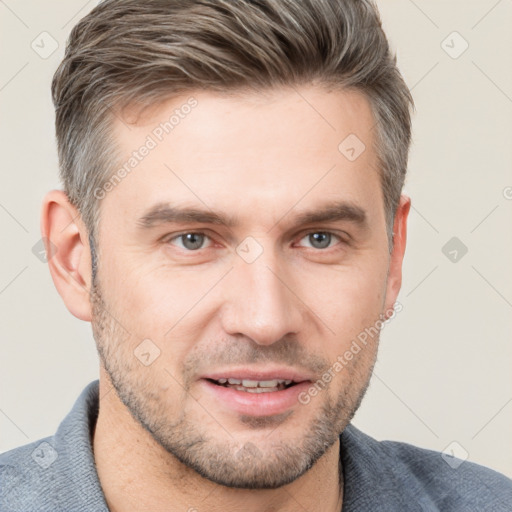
pixel 239 258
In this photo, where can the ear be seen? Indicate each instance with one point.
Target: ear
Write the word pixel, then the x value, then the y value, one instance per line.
pixel 394 281
pixel 68 253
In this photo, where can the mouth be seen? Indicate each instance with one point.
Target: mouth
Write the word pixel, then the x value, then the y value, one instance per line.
pixel 254 386
pixel 255 393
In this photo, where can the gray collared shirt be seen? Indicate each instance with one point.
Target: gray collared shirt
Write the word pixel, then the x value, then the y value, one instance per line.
pixel 58 473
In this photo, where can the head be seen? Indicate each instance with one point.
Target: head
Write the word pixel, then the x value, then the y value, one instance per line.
pixel 232 208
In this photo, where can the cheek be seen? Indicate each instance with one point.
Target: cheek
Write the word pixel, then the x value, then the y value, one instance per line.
pixel 163 307
pixel 146 295
pixel 347 299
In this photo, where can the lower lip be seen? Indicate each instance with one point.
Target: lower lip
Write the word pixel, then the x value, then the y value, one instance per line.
pixel 255 404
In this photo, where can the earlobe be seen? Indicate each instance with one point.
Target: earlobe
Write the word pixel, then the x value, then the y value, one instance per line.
pixel 394 281
pixel 68 253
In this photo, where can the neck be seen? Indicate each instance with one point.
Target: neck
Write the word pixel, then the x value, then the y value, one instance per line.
pixel 136 473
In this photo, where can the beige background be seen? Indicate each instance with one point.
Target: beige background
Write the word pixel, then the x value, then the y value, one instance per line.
pixel 443 372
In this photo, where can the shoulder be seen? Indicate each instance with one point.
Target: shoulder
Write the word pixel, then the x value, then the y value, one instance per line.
pixel 56 473
pixel 428 477
pixel 25 473
pixel 454 483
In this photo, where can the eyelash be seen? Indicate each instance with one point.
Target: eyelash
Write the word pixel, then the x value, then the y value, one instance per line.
pixel 168 240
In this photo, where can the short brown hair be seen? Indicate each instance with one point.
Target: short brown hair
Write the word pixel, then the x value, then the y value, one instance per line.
pixel 133 52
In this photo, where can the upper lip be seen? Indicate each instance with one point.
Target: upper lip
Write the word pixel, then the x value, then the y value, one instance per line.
pixel 278 373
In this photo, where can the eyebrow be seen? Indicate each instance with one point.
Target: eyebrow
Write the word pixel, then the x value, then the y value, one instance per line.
pixel 163 213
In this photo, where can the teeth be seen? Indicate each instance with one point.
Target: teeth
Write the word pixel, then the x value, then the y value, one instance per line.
pixel 250 383
pixel 270 383
pixel 256 389
pixel 256 386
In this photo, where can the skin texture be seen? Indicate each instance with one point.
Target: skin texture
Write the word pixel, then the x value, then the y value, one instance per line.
pixel 163 440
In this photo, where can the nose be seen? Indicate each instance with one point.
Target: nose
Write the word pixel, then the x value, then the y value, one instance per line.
pixel 259 301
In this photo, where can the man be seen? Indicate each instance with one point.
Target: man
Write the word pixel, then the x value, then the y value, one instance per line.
pixel 231 222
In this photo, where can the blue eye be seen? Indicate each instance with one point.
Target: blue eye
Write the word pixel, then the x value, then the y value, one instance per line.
pixel 194 241
pixel 191 241
pixel 320 239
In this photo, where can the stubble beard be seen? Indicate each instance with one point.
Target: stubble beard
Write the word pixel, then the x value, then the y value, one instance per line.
pixel 226 462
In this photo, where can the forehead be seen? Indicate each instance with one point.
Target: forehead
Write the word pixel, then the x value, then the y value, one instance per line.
pixel 272 150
